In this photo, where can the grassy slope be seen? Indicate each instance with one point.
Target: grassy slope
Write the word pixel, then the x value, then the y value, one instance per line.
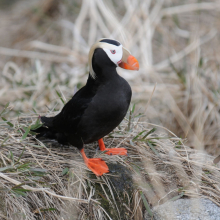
pixel 177 48
pixel 52 181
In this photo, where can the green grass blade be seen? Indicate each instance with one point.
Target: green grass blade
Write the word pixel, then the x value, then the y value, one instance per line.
pixel 4 141
pixel 12 156
pixel 150 132
pixel 26 132
pixel 138 135
pixel 65 171
pixel 6 168
pixel 153 148
pixel 133 108
pixel 20 156
pixel 177 197
pixel 3 111
pixel 8 122
pixel 60 97
pixel 146 204
pixel 37 124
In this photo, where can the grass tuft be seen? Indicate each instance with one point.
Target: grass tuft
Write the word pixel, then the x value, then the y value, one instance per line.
pixel 176 94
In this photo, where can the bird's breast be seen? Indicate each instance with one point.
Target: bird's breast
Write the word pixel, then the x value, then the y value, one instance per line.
pixel 107 109
pixel 114 98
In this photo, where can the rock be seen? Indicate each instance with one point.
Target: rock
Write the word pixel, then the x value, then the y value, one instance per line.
pixel 121 182
pixel 6 3
pixel 187 209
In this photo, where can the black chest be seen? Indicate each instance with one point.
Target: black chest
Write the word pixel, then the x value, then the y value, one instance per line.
pixel 106 110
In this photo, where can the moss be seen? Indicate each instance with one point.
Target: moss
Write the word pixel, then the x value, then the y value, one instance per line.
pixel 6 3
pixel 121 182
pixel 2 203
pixel 2 197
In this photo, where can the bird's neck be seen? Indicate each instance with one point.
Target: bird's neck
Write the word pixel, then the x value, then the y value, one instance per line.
pixel 105 74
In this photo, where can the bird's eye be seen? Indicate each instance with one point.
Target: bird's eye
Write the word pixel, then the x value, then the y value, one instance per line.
pixel 113 51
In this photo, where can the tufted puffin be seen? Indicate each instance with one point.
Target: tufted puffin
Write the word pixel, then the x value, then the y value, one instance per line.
pixel 98 107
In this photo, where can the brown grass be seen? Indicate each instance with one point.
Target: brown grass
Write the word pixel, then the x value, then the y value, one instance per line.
pixel 44 60
pixel 162 167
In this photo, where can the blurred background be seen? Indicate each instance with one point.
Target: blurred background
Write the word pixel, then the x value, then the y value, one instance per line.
pixel 44 47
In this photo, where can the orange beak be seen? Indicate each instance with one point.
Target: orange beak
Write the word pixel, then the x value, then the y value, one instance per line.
pixel 131 64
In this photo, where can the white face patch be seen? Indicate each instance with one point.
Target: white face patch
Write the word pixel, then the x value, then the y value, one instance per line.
pixel 114 53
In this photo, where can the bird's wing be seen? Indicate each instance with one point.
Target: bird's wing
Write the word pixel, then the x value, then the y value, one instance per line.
pixel 68 119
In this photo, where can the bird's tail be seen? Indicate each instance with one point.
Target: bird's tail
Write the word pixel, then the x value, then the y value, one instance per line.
pixel 45 130
pixel 47 121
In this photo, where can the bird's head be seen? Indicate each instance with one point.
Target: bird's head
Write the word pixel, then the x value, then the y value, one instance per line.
pixel 111 53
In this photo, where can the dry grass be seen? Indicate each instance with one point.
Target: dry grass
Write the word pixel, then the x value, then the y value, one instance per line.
pixel 176 47
pixel 44 180
pixel 44 60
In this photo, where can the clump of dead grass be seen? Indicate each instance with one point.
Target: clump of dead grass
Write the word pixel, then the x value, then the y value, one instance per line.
pixel 45 180
pixel 176 47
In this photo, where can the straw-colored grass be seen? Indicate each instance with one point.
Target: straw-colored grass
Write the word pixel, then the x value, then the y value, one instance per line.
pixel 175 45
pixel 43 59
pixel 46 180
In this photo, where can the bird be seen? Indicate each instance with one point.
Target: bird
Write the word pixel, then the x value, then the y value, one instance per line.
pixel 97 108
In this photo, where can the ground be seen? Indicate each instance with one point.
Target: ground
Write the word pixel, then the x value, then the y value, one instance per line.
pixel 43 61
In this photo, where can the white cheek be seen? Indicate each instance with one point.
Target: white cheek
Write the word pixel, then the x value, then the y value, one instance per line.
pixel 115 58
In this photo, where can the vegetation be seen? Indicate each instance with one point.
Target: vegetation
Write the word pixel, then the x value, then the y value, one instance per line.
pixel 171 132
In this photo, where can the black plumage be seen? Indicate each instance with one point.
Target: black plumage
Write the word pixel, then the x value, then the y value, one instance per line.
pixel 94 111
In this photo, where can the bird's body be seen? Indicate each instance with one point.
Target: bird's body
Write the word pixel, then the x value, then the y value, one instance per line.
pixel 94 111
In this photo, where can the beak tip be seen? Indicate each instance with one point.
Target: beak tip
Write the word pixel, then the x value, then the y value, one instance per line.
pixel 131 64
pixel 136 66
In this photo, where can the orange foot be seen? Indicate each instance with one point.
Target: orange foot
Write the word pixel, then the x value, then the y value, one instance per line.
pixel 96 165
pixel 111 151
pixel 116 151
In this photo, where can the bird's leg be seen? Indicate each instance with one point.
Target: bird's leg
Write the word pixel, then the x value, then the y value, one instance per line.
pixel 111 151
pixel 101 144
pixel 96 165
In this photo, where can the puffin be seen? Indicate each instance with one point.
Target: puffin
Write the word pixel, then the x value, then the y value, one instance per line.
pixel 97 108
